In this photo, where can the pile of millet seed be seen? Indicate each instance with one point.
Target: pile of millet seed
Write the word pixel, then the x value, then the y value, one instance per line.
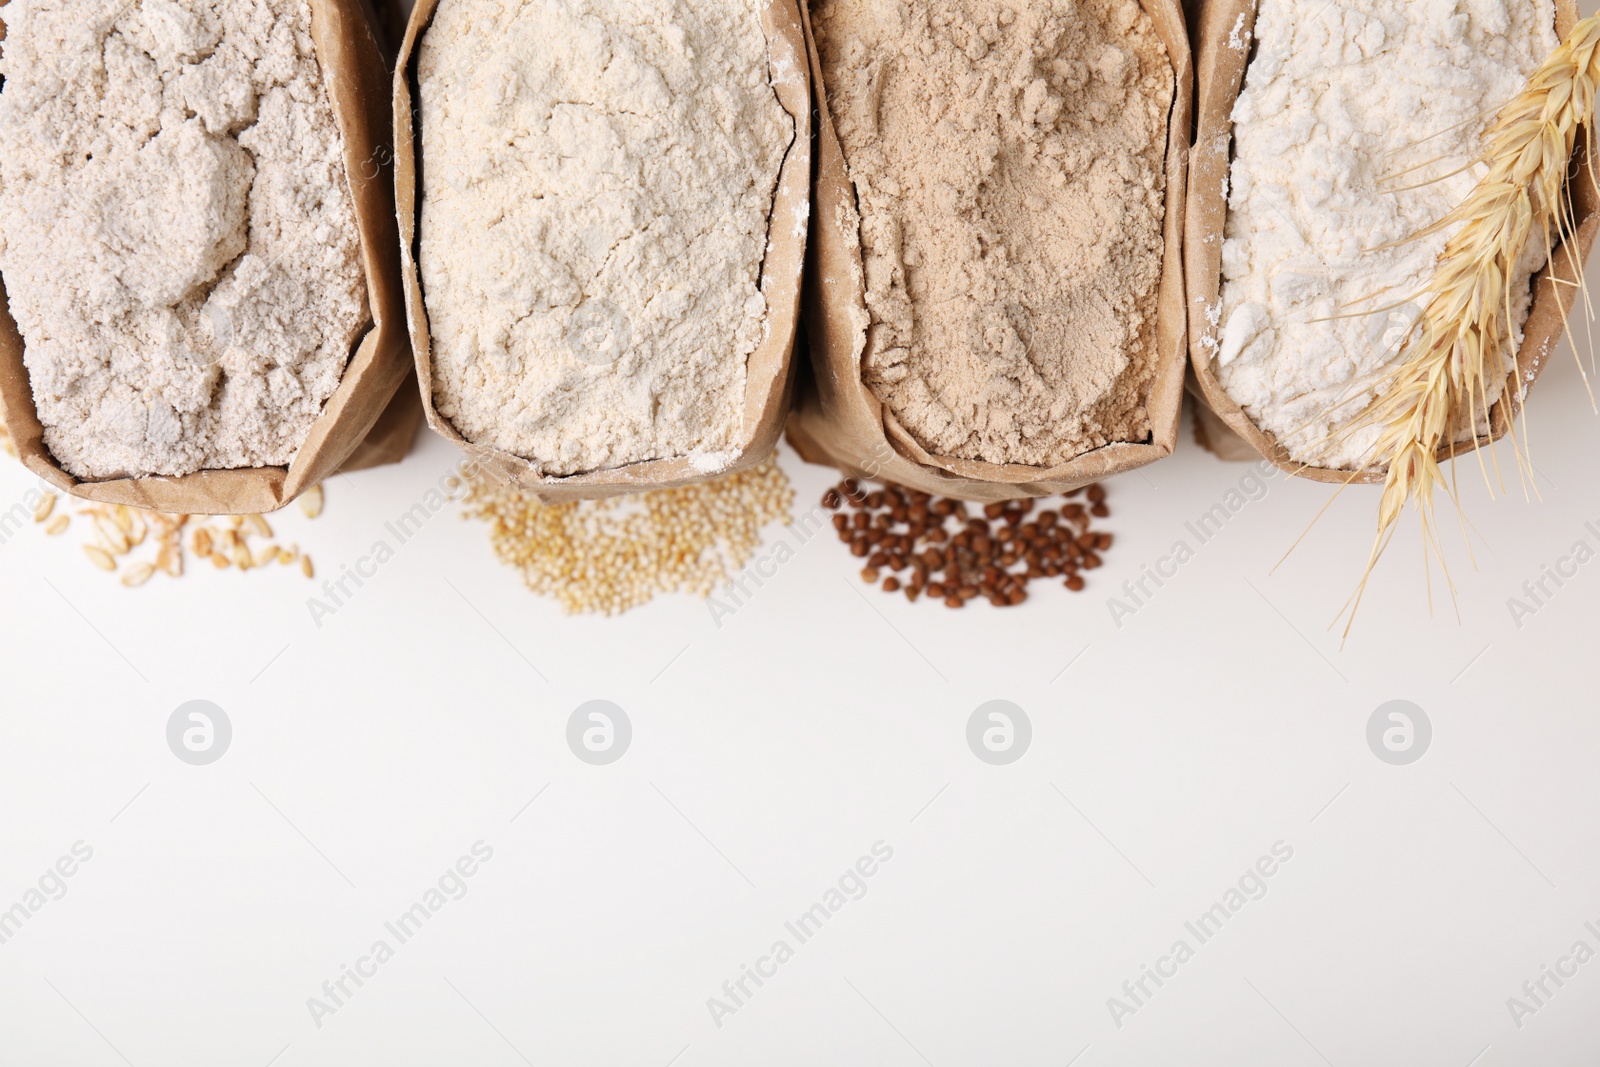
pixel 935 547
pixel 609 556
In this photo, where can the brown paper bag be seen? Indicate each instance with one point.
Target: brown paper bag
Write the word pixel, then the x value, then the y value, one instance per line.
pixel 390 18
pixel 395 433
pixel 391 438
pixel 1213 435
pixel 769 372
pixel 1221 70
pixel 356 73
pixel 839 422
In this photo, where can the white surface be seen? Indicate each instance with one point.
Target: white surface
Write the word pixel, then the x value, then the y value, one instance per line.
pixel 368 755
pixel 769 754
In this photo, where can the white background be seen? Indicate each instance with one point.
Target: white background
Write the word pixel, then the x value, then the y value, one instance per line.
pixel 770 753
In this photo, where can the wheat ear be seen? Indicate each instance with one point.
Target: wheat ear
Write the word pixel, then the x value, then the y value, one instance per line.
pixel 1441 383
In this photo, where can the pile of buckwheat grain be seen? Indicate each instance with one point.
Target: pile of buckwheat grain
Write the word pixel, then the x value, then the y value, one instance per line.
pixel 933 546
pixel 610 556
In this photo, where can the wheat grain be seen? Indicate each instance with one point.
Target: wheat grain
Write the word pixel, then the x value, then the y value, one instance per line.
pixel 138 574
pixel 1462 342
pixel 117 530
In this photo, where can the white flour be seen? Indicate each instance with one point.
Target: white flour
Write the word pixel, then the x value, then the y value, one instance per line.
pixel 1334 105
pixel 597 181
pixel 176 230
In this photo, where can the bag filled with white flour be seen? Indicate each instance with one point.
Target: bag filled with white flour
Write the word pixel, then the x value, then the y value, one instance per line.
pixel 202 306
pixel 603 210
pixel 1328 138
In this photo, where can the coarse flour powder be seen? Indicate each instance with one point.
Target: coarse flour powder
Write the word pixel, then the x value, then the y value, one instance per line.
pixel 177 235
pixel 1008 162
pixel 598 177
pixel 1344 104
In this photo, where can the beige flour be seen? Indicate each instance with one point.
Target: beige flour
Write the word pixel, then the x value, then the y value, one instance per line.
pixel 176 232
pixel 1008 162
pixel 596 193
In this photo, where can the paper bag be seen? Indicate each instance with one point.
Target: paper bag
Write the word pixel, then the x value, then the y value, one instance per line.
pixel 1223 38
pixel 769 371
pixel 356 74
pixel 839 421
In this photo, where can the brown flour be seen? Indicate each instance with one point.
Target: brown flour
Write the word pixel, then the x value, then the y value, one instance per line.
pixel 1008 165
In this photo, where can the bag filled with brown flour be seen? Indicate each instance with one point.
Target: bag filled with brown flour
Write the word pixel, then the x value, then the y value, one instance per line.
pixel 1326 141
pixel 995 292
pixel 603 210
pixel 200 304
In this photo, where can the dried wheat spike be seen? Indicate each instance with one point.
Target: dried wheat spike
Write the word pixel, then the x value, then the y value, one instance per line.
pixel 1441 384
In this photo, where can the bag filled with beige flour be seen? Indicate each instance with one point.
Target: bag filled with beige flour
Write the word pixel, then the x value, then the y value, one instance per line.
pixel 201 299
pixel 1327 140
pixel 603 209
pixel 995 292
